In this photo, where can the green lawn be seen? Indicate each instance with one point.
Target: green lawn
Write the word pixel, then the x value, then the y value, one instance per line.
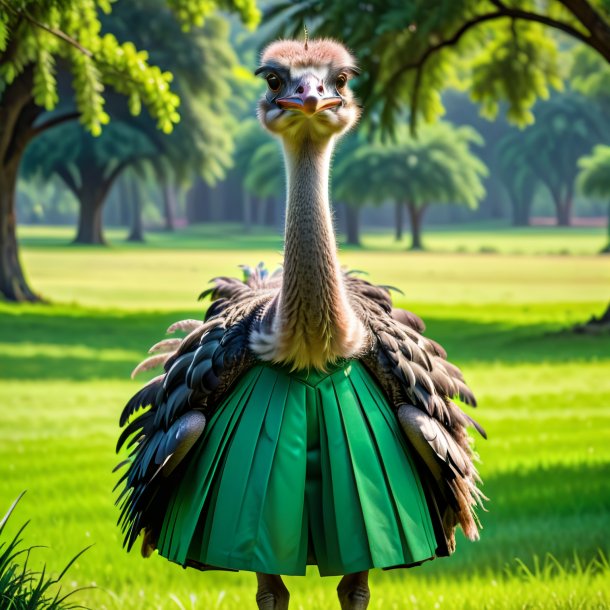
pixel 544 399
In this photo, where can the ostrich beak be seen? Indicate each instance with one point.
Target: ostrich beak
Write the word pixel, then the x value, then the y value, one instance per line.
pixel 309 98
pixel 309 105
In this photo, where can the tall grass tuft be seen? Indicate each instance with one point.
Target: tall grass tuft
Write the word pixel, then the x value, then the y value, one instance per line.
pixel 550 567
pixel 22 588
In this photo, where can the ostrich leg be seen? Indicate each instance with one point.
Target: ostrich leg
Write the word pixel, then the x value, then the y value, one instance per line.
pixel 272 593
pixel 353 591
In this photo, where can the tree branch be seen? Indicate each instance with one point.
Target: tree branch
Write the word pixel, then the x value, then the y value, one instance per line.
pixel 594 22
pixel 58 33
pixel 114 174
pixel 68 179
pixel 52 122
pixel 448 42
pixel 21 14
pixel 516 13
pixel 420 63
pixel 502 12
pixel 14 98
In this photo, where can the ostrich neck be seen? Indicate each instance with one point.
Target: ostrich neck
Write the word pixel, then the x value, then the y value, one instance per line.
pixel 316 322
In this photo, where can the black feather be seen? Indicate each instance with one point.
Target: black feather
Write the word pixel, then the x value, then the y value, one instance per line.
pixel 142 398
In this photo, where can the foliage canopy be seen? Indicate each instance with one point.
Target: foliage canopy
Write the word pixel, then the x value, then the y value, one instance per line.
pixel 594 177
pixel 503 52
pixel 39 33
pixel 436 167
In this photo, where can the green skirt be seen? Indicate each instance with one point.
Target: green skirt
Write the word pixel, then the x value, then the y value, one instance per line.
pixel 296 468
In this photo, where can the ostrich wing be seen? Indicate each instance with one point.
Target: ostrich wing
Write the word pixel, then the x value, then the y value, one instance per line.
pixel 198 371
pixel 415 375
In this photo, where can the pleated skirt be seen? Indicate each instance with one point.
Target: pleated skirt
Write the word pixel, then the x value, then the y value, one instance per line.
pixel 296 468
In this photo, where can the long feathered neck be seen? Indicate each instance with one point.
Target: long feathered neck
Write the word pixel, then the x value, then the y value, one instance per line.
pixel 316 325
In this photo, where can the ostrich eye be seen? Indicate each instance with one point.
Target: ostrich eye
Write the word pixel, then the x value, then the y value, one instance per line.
pixel 274 82
pixel 341 81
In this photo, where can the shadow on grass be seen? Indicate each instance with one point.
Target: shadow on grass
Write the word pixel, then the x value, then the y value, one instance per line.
pixel 78 344
pixel 470 341
pixel 561 510
pixel 72 343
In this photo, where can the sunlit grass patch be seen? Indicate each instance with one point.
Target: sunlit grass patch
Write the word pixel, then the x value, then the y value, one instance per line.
pixel 544 397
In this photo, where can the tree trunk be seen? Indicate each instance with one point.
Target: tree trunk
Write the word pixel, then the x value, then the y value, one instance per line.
pixel 124 207
pixel 494 197
pixel 270 212
pixel 280 214
pixel 564 212
pixel 521 214
pixel 137 229
pixel 261 206
pixel 95 184
pixel 198 203
pixel 17 116
pixel 398 220
pixel 13 285
pixel 247 211
pixel 169 206
pixel 416 214
pixel 352 225
pixel 563 205
pixel 90 230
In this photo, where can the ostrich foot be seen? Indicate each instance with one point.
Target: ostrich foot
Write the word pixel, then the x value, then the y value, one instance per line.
pixel 353 591
pixel 272 593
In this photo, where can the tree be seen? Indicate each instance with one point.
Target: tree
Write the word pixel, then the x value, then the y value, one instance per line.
pixel 565 128
pixel 88 166
pixel 547 152
pixel 358 180
pixel 460 110
pixel 594 181
pixel 594 178
pixel 517 175
pixel 136 230
pixel 437 167
pixel 201 143
pixel 206 78
pixel 411 51
pixel 259 162
pixel 34 34
pixel 590 76
pixel 265 178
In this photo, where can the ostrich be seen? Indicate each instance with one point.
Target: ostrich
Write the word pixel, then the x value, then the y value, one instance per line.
pixel 305 420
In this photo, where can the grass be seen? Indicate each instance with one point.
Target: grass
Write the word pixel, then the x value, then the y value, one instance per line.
pixel 544 399
pixel 22 588
pixel 491 237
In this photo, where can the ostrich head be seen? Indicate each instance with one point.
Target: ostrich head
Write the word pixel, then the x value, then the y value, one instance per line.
pixel 308 95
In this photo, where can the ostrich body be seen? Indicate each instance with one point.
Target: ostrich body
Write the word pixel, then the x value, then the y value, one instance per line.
pixel 305 420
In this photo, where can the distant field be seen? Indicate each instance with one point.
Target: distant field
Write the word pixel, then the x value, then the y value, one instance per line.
pixel 147 277
pixel 484 238
pixel 544 399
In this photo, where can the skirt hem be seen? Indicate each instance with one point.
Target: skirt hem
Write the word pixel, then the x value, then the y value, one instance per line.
pixel 203 567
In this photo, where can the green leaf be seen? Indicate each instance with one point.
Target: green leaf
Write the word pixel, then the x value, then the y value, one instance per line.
pixel 45 85
pixel 4 33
